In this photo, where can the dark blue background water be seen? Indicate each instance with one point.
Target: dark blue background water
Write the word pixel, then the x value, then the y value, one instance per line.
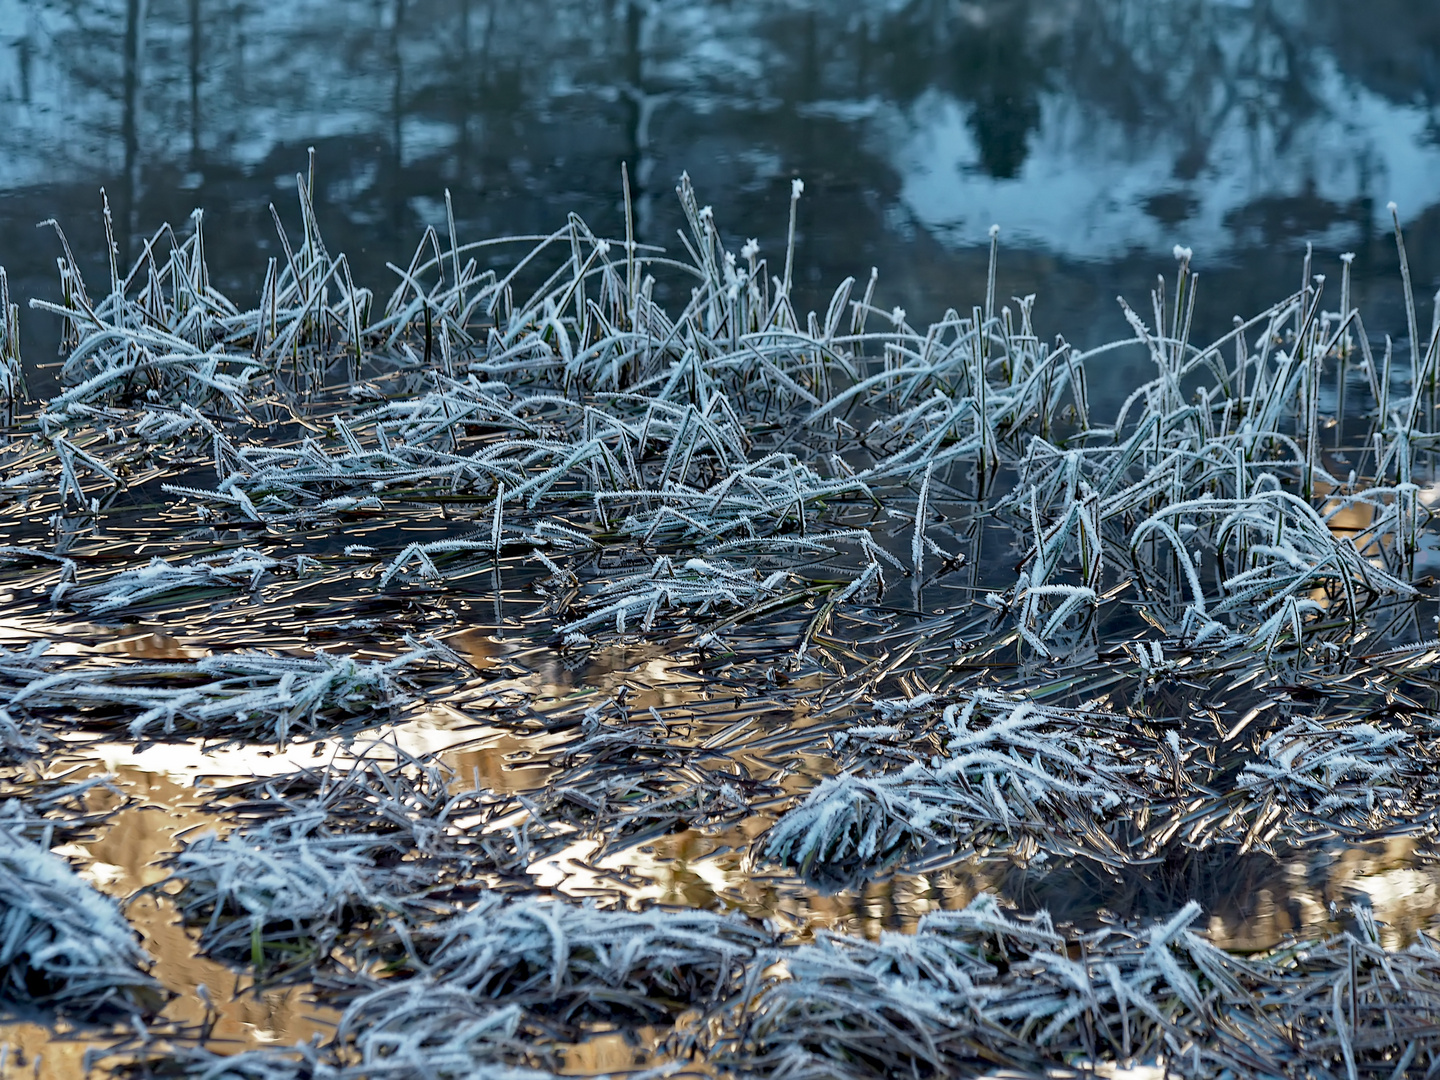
pixel 1097 133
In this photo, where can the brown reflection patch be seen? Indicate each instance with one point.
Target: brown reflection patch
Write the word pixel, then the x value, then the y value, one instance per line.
pixel 146 644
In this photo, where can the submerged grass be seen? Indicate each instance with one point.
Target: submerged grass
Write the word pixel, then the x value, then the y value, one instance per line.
pixel 1185 621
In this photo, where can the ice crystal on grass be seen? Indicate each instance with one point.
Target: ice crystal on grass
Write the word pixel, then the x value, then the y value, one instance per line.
pixel 390 800
pixel 62 944
pixel 702 586
pixel 979 988
pixel 423 1028
pixel 1355 778
pixel 287 886
pixel 320 853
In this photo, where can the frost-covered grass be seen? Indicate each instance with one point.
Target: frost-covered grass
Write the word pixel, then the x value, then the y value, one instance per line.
pixel 978 988
pixel 251 693
pixel 325 854
pixel 833 593
pixel 131 589
pixel 62 944
pixel 585 961
pixel 1006 771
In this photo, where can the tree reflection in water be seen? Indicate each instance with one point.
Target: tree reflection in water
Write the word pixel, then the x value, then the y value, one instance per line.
pixel 1089 128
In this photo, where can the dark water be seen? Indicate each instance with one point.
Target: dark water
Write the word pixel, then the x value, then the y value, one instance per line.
pixel 1097 133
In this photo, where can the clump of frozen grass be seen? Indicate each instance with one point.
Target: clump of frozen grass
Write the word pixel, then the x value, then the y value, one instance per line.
pixel 850 821
pixel 242 567
pixel 978 988
pixel 289 885
pixel 1003 776
pixel 1282 551
pixel 1357 778
pixel 243 693
pixel 1011 773
pixel 1225 501
pixel 401 806
pixel 585 962
pixel 699 585
pixel 163 334
pixel 732 582
pixel 320 852
pixel 424 1028
pixel 62 944
pixel 653 468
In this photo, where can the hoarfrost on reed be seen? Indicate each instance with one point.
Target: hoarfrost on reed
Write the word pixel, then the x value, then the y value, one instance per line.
pixel 585 960
pixel 244 567
pixel 338 848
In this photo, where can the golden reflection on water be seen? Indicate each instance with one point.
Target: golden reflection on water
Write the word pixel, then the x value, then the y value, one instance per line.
pixel 145 644
pixel 1400 883
pixel 646 676
pixel 711 870
pixel 607 1052
pixel 504 762
pixel 139 640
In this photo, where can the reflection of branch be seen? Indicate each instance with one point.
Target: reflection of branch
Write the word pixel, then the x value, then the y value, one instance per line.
pixel 1198 62
pixel 1179 71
